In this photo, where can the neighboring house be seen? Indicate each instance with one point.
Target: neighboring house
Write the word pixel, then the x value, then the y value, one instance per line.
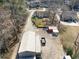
pixel 69 16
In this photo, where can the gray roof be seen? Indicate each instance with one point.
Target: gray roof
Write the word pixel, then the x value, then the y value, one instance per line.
pixel 69 14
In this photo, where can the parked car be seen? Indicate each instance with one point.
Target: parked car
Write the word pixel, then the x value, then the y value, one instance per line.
pixel 43 41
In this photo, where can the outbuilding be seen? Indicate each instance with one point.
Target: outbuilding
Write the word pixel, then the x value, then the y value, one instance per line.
pixel 50 28
pixel 30 47
pixel 53 30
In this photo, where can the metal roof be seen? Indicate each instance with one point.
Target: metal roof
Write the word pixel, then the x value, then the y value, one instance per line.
pixel 30 42
pixel 55 29
pixel 38 44
pixel 27 42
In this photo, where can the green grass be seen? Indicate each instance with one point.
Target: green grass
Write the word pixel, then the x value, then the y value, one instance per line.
pixel 38 22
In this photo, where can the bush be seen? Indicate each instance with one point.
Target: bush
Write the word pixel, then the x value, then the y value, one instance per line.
pixel 1 1
pixel 69 51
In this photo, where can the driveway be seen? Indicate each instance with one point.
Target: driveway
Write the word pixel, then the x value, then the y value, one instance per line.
pixel 29 25
pixel 53 48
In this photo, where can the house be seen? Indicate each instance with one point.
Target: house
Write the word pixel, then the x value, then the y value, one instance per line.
pixel 69 16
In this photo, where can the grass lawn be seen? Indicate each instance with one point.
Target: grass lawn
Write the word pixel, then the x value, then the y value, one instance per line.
pixel 38 22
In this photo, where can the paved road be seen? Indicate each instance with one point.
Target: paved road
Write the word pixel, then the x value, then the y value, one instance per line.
pixel 53 48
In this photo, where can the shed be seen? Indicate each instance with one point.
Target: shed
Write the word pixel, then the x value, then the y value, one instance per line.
pixel 29 47
pixel 54 30
pixel 50 28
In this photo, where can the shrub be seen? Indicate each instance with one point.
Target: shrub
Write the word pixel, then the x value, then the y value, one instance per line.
pixel 69 51
pixel 1 1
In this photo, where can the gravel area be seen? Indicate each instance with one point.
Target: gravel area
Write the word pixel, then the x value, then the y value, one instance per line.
pixel 53 48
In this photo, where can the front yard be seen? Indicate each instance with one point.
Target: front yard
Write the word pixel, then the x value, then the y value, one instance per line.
pixel 40 22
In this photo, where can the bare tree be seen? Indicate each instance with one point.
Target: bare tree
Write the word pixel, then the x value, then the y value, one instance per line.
pixel 76 43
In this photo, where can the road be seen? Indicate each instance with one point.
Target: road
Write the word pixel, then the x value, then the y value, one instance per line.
pixel 53 48
pixel 29 25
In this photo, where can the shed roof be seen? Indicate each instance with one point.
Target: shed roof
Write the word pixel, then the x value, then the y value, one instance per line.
pixel 38 44
pixel 27 42
pixel 55 29
pixel 30 42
